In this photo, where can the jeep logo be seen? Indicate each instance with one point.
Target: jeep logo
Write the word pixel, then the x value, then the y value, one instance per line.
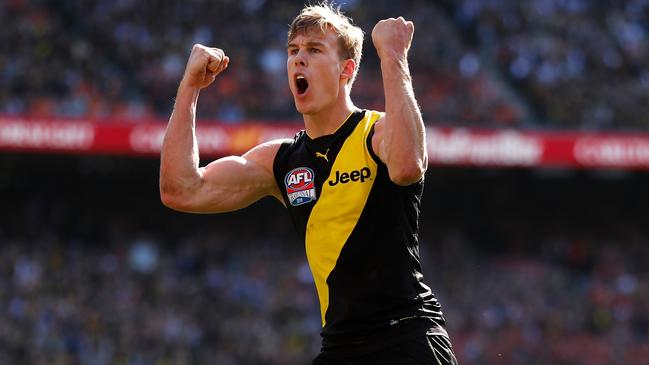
pixel 355 175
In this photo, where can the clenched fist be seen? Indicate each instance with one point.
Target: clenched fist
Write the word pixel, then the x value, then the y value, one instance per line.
pixel 392 37
pixel 203 65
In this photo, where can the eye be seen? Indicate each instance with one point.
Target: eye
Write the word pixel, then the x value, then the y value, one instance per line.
pixel 315 50
pixel 292 51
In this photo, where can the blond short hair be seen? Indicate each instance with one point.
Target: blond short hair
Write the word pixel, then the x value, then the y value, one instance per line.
pixel 324 16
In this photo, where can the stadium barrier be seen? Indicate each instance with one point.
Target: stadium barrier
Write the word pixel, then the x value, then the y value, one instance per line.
pixel 446 146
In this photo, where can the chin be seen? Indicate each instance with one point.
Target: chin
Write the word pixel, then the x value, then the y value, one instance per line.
pixel 302 108
pixel 307 111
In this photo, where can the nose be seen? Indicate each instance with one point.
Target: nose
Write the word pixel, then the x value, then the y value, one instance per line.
pixel 299 59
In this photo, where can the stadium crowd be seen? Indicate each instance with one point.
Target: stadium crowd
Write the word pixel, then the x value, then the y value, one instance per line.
pixel 90 276
pixel 93 278
pixel 582 64
pixel 120 59
pixel 540 63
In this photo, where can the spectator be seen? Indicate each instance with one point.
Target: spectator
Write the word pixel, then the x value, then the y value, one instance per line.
pixel 95 59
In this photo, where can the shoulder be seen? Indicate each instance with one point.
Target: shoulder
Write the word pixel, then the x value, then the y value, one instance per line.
pixel 375 126
pixel 367 121
pixel 264 153
pixel 376 113
pixel 374 122
pixel 269 146
pixel 289 145
pixel 373 116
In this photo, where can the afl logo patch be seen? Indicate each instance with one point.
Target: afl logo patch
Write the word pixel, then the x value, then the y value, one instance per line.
pixel 300 186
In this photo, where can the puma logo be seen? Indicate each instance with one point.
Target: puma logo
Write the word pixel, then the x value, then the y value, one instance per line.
pixel 323 155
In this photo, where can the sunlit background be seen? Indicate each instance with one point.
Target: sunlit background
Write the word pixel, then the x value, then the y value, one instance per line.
pixel 535 231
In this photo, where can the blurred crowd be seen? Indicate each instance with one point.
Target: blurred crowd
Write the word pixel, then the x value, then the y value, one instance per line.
pixel 82 285
pixel 497 63
pixel 574 299
pixel 579 63
pixel 98 289
pixel 124 59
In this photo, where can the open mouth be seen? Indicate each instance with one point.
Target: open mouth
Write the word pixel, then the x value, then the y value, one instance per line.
pixel 301 84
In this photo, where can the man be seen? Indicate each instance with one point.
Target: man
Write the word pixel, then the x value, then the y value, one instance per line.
pixel 352 181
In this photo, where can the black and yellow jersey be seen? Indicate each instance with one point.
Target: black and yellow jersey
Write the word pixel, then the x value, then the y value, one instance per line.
pixel 360 231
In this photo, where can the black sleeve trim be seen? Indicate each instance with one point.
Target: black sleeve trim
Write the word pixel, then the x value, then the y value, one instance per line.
pixel 375 157
pixel 278 169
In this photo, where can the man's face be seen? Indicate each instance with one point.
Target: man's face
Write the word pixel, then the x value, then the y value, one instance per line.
pixel 315 70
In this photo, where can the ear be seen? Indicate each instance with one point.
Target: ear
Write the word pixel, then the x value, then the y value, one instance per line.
pixel 349 65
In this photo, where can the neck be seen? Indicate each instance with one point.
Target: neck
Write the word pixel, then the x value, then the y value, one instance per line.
pixel 328 120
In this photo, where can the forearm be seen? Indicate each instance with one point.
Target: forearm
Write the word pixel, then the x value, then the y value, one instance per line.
pixel 403 146
pixel 179 171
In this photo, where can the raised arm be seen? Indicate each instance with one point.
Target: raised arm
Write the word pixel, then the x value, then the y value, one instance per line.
pixel 399 138
pixel 226 184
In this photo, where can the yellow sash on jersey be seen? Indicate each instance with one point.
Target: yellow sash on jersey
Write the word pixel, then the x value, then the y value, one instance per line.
pixel 339 207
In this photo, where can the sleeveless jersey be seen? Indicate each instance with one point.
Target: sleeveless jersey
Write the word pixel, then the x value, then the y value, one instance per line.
pixel 360 231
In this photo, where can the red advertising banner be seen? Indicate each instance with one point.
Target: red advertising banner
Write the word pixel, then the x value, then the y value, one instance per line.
pixel 535 148
pixel 141 138
pixel 446 146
